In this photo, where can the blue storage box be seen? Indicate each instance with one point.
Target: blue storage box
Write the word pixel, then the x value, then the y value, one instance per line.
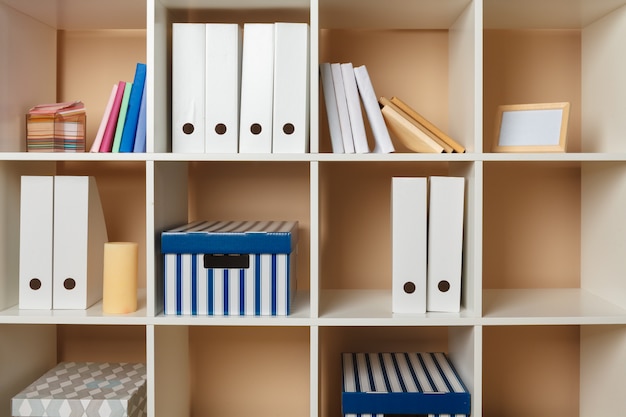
pixel 236 268
pixel 402 383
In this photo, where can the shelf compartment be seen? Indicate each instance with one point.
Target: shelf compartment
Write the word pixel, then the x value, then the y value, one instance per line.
pixel 229 190
pixel 121 186
pixel 458 342
pixel 542 362
pixel 355 201
pixel 564 370
pixel 422 52
pixel 532 228
pixel 548 70
pixel 573 55
pixel 258 368
pixel 164 14
pixel 555 225
pixel 76 52
pixel 30 350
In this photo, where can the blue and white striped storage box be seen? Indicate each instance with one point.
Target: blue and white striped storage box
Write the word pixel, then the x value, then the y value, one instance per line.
pixel 377 384
pixel 231 268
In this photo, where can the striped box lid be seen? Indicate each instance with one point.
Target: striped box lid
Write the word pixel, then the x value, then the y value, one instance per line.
pixel 402 383
pixel 231 237
pixel 85 389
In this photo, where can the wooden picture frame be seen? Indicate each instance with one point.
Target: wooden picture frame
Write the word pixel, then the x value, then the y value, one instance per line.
pixel 531 127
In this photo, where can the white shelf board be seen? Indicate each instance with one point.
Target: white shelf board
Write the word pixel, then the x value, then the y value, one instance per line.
pixel 553 157
pixel 316 157
pixel 397 157
pixel 548 306
pixel 84 14
pixel 92 315
pixel 546 14
pixel 73 156
pixel 300 316
pixel 235 5
pixel 373 308
pixel 235 157
pixel 390 14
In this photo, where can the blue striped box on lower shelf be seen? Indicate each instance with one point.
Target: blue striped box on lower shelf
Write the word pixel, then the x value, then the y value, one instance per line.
pixel 416 383
pixel 230 268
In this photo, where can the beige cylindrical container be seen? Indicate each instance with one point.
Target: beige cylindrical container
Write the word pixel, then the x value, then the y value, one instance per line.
pixel 119 291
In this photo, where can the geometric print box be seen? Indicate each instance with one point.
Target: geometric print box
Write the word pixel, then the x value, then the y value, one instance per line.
pixel 230 268
pixel 85 389
pixel 416 383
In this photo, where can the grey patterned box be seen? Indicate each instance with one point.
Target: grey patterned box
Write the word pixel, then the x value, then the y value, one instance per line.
pixel 89 389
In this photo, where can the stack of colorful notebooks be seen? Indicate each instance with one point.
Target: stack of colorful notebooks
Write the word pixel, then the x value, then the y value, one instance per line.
pixel 58 127
pixel 123 125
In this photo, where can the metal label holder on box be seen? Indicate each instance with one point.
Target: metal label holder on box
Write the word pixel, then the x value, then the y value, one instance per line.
pixel 238 268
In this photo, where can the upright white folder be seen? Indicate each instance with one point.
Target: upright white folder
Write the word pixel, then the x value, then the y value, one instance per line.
pixel 291 88
pixel 342 107
pixel 188 89
pixel 408 243
pixel 372 109
pixel 354 109
pixel 79 237
pixel 445 243
pixel 223 72
pixel 257 88
pixel 36 232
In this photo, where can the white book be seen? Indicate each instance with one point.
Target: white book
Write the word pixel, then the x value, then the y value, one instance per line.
pixel 409 233
pixel 445 243
pixel 291 88
pixel 223 73
pixel 36 233
pixel 257 88
pixel 188 72
pixel 342 107
pixel 372 109
pixel 353 100
pixel 332 112
pixel 79 237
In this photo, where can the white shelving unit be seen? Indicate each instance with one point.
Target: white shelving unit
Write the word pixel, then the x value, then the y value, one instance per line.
pixel 542 329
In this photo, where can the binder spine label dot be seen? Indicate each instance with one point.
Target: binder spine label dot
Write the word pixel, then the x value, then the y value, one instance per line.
pixel 220 128
pixel 289 128
pixel 188 128
pixel 69 284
